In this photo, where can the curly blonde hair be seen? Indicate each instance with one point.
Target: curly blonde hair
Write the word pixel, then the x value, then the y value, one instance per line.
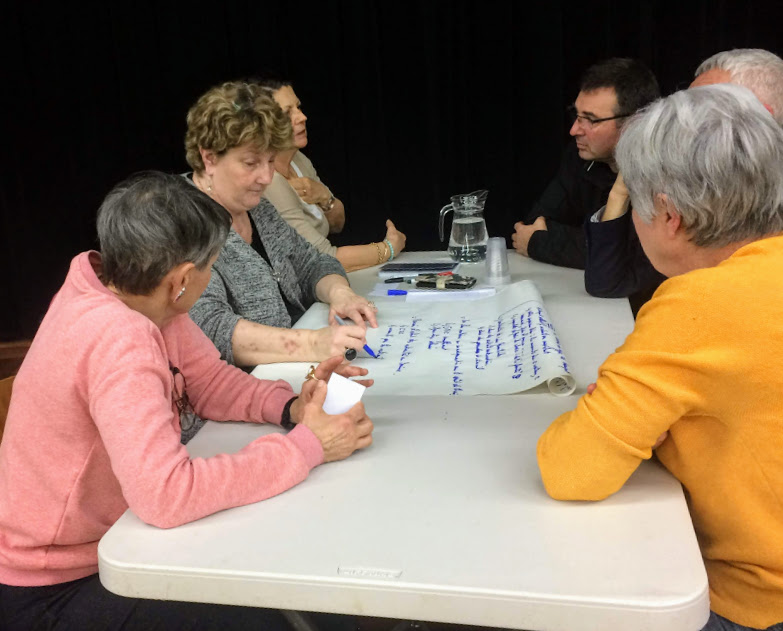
pixel 232 114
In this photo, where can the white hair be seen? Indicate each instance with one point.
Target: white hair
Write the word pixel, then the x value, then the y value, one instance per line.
pixel 754 68
pixel 716 154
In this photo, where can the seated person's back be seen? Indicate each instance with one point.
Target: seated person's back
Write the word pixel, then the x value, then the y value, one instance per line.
pixel 693 377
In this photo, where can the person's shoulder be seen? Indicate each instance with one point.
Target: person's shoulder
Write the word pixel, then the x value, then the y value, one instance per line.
pixel 767 251
pixel 689 304
pixel 233 249
pixel 264 209
pixel 305 164
pixel 268 220
pixel 87 307
pixel 107 334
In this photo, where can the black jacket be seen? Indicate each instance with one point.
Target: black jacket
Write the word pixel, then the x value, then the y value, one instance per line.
pixel 579 189
pixel 617 266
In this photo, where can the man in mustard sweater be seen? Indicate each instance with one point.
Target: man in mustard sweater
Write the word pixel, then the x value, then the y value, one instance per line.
pixel 702 368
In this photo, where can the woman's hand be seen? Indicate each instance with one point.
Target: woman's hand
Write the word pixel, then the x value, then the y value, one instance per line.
pixel 347 304
pixel 396 237
pixel 340 434
pixel 324 370
pixel 334 339
pixel 311 191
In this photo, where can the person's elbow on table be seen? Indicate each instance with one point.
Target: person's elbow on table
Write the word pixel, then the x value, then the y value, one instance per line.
pixel 566 481
pixel 572 485
pixel 576 466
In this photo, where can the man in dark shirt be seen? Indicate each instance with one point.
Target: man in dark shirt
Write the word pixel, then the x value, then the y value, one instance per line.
pixel 553 230
pixel 616 265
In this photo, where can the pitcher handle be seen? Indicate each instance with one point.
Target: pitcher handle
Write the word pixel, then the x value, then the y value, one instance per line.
pixel 443 211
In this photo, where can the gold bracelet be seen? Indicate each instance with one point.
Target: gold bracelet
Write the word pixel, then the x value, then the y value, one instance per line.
pixel 386 251
pixel 380 255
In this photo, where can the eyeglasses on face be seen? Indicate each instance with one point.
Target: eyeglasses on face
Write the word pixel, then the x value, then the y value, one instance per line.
pixel 588 122
pixel 179 397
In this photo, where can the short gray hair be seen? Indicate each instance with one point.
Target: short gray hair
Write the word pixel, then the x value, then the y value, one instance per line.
pixel 717 155
pixel 754 68
pixel 152 222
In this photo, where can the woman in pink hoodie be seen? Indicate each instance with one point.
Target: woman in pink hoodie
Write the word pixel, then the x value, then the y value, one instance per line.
pixel 116 371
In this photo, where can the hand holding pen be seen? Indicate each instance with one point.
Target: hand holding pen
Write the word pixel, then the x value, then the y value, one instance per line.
pixel 335 339
pixel 350 353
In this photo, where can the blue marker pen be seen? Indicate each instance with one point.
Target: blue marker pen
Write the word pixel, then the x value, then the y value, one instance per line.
pixel 396 292
pixel 367 349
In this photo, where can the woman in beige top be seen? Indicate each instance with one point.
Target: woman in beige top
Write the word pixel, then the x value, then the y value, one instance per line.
pixel 308 205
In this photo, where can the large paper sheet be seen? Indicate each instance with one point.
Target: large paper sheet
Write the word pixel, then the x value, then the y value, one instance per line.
pixel 499 345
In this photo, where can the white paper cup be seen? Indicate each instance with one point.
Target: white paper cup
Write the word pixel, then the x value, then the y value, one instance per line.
pixel 497 262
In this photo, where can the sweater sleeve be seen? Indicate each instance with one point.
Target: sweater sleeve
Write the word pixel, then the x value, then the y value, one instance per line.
pixel 563 242
pixel 560 244
pixel 215 316
pixel 615 263
pixel 311 265
pixel 216 390
pixel 131 405
pixel 647 385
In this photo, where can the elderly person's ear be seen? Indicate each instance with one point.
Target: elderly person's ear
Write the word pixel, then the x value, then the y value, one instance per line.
pixel 669 213
pixel 208 157
pixel 179 278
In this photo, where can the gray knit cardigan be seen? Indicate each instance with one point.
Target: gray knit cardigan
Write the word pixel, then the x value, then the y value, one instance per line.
pixel 243 286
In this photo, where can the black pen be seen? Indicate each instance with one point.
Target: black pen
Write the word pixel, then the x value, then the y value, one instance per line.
pixel 401 279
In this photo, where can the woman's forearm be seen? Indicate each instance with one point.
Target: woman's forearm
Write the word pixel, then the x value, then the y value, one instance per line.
pixel 353 257
pixel 254 343
pixel 331 284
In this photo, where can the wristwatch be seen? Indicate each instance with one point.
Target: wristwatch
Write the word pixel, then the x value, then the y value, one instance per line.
pixel 285 418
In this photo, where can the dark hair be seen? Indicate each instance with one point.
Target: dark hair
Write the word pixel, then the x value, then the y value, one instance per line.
pixel 633 82
pixel 274 84
pixel 152 222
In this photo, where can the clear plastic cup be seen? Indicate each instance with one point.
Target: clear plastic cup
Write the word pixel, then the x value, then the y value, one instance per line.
pixel 497 262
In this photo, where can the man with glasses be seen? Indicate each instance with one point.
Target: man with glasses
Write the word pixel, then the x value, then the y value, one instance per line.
pixel 616 266
pixel 553 230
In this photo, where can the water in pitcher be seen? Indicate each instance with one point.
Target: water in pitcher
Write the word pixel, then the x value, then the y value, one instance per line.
pixel 468 242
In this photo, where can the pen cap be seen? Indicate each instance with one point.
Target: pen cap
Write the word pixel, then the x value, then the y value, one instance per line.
pixel 497 262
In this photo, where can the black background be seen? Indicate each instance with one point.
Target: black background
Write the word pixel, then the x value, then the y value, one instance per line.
pixel 408 103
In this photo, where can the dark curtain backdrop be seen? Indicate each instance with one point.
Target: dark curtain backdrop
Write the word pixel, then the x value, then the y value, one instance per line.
pixel 408 103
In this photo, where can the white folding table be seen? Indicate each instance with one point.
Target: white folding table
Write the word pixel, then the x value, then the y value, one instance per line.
pixel 444 518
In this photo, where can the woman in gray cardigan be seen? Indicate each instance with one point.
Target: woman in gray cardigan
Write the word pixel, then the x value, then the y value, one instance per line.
pixel 266 275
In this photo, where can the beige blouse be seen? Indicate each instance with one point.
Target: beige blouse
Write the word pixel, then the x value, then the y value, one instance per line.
pixel 307 219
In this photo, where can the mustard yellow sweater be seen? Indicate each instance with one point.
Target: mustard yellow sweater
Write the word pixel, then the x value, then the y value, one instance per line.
pixel 705 362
